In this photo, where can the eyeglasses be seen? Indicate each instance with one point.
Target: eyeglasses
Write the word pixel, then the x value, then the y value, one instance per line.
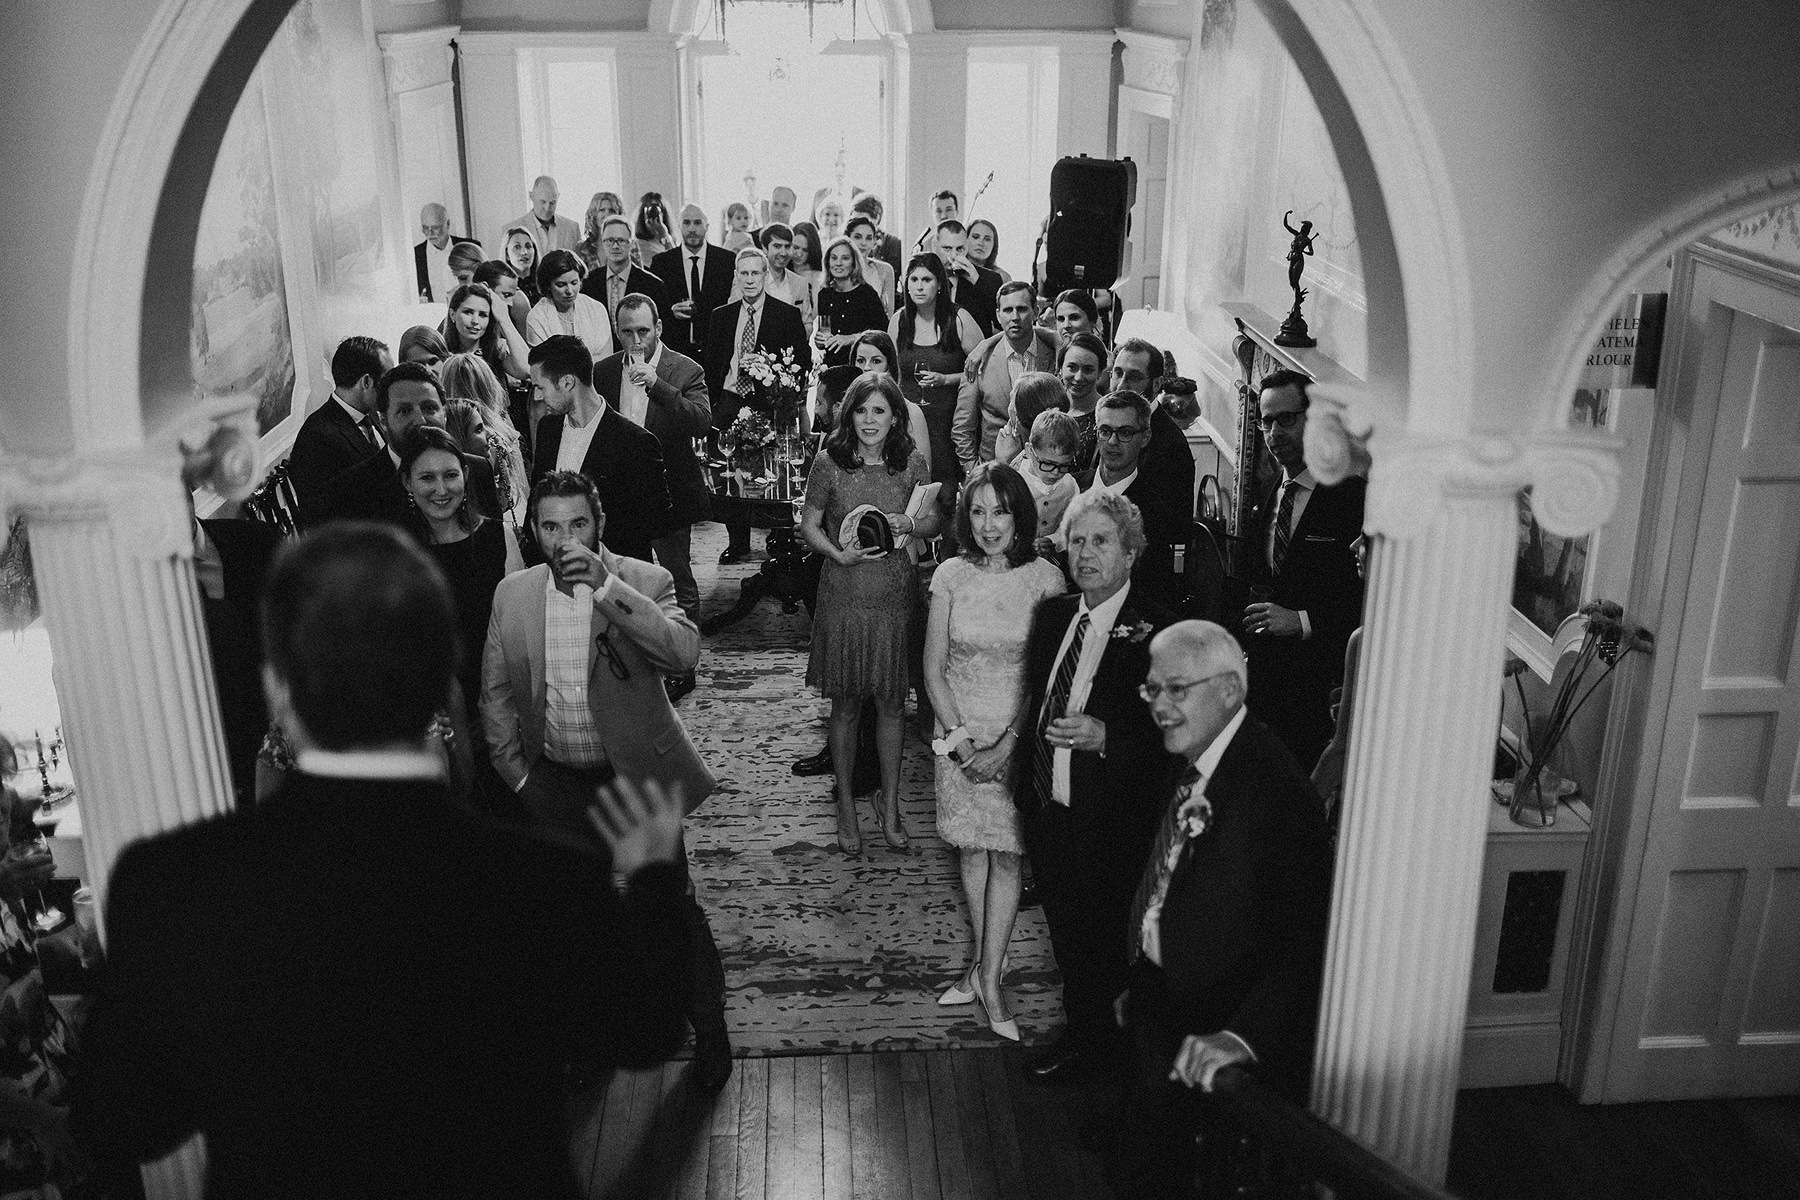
pixel 614 241
pixel 1117 433
pixel 1176 692
pixel 1286 420
pixel 1044 464
pixel 621 670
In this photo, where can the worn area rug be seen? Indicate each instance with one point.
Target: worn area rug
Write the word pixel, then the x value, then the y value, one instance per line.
pixel 822 954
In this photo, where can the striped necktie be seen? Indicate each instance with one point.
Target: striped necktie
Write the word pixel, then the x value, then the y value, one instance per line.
pixel 1160 867
pixel 1043 761
pixel 1284 517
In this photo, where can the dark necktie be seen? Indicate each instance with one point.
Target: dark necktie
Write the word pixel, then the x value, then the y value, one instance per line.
pixel 368 431
pixel 1043 761
pixel 694 284
pixel 1158 869
pixel 1284 517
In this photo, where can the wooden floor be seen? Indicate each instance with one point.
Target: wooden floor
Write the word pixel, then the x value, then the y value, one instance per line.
pixel 956 1124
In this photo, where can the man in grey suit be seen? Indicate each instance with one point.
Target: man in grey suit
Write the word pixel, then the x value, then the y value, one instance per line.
pixel 572 696
pixel 665 392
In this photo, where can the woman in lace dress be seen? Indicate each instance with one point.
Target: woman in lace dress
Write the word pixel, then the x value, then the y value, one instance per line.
pixel 981 609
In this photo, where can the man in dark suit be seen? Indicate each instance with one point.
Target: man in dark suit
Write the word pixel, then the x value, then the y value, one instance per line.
pixel 1137 366
pixel 756 324
pixel 1088 773
pixel 976 289
pixel 431 258
pixel 406 397
pixel 582 432
pixel 1163 491
pixel 388 1012
pixel 345 429
pixel 696 279
pixel 1306 532
pixel 1230 914
pixel 617 277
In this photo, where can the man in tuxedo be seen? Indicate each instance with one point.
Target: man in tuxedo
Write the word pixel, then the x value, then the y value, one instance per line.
pixel 431 257
pixel 1088 773
pixel 579 431
pixel 1307 533
pixel 1163 491
pixel 665 392
pixel 344 430
pixel 756 324
pixel 974 288
pixel 696 278
pixel 985 396
pixel 1137 366
pixel 781 212
pixel 406 397
pixel 548 230
pixel 572 696
pixel 1229 920
pixel 361 987
pixel 617 276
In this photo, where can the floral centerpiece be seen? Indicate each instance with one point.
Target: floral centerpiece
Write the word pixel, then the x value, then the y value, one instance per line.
pixel 1608 640
pixel 773 385
pixel 745 440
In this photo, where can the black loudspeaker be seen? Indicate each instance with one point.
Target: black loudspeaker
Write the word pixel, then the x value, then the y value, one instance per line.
pixel 1090 217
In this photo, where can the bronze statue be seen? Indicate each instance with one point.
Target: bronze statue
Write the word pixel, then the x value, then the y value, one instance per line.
pixel 1293 330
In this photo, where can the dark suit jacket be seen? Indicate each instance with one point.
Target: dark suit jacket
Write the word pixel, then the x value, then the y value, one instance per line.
pixel 1115 797
pixel 1243 924
pixel 1164 494
pixel 981 298
pixel 1291 678
pixel 246 548
pixel 780 327
pixel 671 267
pixel 639 280
pixel 371 491
pixel 383 1014
pixel 423 272
pixel 626 464
pixel 329 443
pixel 679 412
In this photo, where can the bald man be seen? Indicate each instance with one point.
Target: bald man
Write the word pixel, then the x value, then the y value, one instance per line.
pixel 1228 923
pixel 696 277
pixel 431 257
pixel 781 212
pixel 547 229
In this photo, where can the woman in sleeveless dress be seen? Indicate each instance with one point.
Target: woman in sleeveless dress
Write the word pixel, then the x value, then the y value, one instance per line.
pixel 935 339
pixel 981 608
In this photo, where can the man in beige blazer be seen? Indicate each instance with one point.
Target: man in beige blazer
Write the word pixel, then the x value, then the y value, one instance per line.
pixel 572 695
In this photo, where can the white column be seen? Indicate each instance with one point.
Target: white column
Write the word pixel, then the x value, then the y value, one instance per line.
pixel 650 149
pixel 1084 94
pixel 937 93
pixel 1415 813
pixel 112 554
pixel 490 106
pixel 421 102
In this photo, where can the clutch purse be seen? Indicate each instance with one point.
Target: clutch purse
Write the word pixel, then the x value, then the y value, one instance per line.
pixel 866 527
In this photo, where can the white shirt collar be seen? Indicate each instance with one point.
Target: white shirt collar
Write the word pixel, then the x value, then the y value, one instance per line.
pixel 350 408
pixel 369 764
pixel 1305 479
pixel 1108 612
pixel 1208 762
pixel 1117 489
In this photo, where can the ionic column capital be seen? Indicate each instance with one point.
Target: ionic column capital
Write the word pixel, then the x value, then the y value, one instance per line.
pixel 135 490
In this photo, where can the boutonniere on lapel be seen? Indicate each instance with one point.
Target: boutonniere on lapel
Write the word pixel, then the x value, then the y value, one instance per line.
pixel 1134 632
pixel 1193 818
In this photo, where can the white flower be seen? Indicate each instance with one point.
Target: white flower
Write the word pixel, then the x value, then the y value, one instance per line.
pixel 1194 817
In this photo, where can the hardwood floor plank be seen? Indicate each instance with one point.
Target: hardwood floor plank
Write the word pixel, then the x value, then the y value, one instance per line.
pixel 921 1155
pixel 613 1148
pixel 947 1123
pixel 753 1130
pixel 865 1130
pixel 725 1108
pixel 721 1166
pixel 891 1181
pixel 585 1115
pixel 809 1130
pixel 695 1140
pixel 978 1144
pixel 781 1165
pixel 1003 1126
pixel 1054 1161
pixel 836 1160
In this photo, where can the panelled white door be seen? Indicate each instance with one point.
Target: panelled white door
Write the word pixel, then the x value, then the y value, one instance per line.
pixel 1710 992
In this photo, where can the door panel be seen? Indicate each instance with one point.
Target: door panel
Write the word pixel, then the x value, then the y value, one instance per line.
pixel 1710 995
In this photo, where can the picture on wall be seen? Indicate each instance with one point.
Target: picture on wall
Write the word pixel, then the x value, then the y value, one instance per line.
pixel 241 342
pixel 1552 570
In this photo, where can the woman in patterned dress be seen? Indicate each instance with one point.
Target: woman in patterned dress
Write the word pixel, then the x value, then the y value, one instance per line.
pixel 866 597
pixel 981 608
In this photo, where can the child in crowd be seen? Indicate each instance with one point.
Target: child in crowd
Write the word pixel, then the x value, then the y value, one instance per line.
pixel 1048 465
pixel 737 227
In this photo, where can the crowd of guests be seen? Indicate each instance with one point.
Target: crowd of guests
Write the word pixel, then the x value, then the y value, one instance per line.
pixel 493 613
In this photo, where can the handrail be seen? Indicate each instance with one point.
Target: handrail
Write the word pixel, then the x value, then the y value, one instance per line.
pixel 1316 1146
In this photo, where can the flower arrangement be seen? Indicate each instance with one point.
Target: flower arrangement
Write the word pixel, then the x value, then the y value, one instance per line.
pixel 1608 640
pixel 773 384
pixel 747 437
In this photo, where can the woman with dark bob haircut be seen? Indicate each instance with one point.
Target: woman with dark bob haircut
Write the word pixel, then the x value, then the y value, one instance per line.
pixel 867 594
pixel 981 609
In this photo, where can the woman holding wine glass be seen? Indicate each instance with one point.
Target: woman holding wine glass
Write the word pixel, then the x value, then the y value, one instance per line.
pixel 934 338
pixel 846 304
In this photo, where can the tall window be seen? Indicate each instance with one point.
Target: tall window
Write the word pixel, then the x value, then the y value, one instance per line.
pixel 569 115
pixel 1011 131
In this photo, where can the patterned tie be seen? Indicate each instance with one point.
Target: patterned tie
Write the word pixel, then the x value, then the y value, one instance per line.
pixel 748 344
pixel 1161 864
pixel 1043 762
pixel 615 291
pixel 1284 517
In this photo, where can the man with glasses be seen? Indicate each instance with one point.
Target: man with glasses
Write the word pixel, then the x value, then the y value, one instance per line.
pixel 617 276
pixel 572 696
pixel 1138 366
pixel 1162 491
pixel 1306 531
pixel 1228 920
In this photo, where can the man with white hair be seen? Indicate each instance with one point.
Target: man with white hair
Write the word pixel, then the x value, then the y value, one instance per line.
pixel 431 257
pixel 1228 923
pixel 696 277
pixel 548 230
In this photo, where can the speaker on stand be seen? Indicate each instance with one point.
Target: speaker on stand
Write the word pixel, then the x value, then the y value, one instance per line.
pixel 1090 220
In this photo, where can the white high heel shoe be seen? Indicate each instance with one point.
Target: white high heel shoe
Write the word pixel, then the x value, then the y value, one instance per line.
pixel 1008 1029
pixel 956 994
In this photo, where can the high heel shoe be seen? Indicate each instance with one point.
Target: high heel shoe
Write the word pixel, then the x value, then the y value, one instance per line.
pixel 1008 1029
pixel 896 837
pixel 851 845
pixel 962 991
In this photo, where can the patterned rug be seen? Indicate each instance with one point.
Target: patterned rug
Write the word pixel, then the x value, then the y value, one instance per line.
pixel 825 955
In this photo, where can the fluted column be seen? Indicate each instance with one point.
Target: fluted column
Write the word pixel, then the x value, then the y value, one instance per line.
pixel 1408 883
pixel 111 550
